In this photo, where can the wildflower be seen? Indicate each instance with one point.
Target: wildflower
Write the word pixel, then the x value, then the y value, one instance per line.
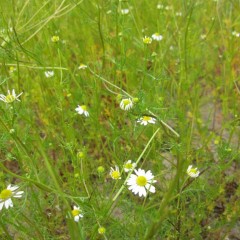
pixel 124 11
pixel 77 213
pixel 178 14
pixel 192 172
pixel 49 74
pixel 101 230
pixel 10 97
pixel 128 166
pixel 236 34
pixel 126 104
pixel 82 110
pixel 167 8
pixel 55 39
pixel 12 131
pixel 160 6
pixel 114 173
pixel 80 154
pixel 146 119
pixel 141 182
pixel 157 37
pixel 82 66
pixel 12 69
pixel 6 194
pixel 136 100
pixel 147 40
pixel 100 169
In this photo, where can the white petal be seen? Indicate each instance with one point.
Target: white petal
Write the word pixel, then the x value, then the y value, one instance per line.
pixel 149 175
pixel 19 192
pixel 13 188
pixel 8 203
pixel 19 95
pixel 86 113
pixel 76 218
pixel 141 172
pixel 151 189
pixel 1 205
pixel 136 171
pixel 189 168
pixel 142 192
pixel 135 190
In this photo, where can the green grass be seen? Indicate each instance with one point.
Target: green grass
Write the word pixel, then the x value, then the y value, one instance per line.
pixel 189 82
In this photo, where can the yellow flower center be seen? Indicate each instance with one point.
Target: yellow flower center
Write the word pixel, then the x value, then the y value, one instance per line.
pixel 193 170
pixel 128 165
pixel 141 181
pixel 55 38
pixel 157 34
pixel 101 230
pixel 82 65
pixel 75 212
pixel 126 102
pixel 10 98
pixel 115 174
pixel 84 107
pixel 12 69
pixel 147 40
pixel 5 194
pixel 146 118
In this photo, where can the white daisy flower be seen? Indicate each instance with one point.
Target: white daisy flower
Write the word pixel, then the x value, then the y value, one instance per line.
pixel 147 40
pixel 124 11
pixel 82 66
pixel 145 120
pixel 7 194
pixel 82 110
pixel 128 166
pixel 9 98
pixel 157 37
pixel 192 172
pixel 141 182
pixel 77 213
pixel 49 74
pixel 236 34
pixel 126 104
pixel 114 173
